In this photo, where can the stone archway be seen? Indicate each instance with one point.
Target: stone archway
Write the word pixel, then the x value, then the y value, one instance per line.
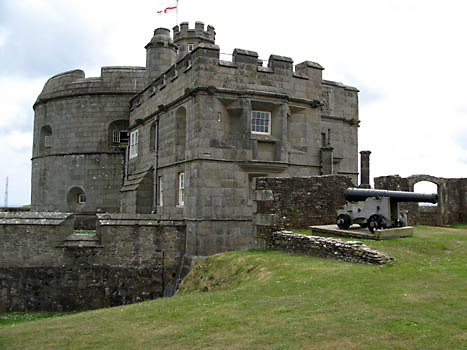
pixel 431 215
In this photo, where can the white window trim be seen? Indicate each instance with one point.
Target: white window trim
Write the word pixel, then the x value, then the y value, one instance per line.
pixel 161 192
pixel 190 47
pixel 116 136
pixel 134 144
pixel 181 189
pixel 268 126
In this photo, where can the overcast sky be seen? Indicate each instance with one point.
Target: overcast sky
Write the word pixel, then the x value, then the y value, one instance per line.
pixel 408 58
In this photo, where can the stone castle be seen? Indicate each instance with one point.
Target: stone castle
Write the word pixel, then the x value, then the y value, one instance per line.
pixel 183 138
pixel 186 157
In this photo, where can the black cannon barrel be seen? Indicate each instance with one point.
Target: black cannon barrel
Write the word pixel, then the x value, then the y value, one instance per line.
pixel 360 194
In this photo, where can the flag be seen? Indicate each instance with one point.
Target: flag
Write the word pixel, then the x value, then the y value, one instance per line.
pixel 167 9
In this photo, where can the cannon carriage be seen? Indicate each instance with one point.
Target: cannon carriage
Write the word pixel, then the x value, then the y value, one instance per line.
pixel 377 209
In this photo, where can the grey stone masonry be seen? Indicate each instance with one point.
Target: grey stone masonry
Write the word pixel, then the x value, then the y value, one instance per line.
pixel 353 251
pixel 184 137
pixel 452 199
pixel 47 266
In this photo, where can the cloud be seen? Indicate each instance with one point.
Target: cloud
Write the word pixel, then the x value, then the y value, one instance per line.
pixel 40 38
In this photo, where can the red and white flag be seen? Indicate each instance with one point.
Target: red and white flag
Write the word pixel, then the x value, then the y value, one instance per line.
pixel 167 9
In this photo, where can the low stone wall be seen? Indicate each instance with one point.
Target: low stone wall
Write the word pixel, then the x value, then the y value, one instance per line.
pixel 298 202
pixel 326 247
pixel 45 266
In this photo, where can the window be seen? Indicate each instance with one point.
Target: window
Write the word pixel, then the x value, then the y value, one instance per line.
pixel 134 144
pixel 190 47
pixel 81 198
pixel 261 122
pixel 120 136
pixel 45 138
pixel 47 141
pixel 161 192
pixel 181 189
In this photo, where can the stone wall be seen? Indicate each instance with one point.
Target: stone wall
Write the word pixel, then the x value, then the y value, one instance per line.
pixel 45 266
pixel 452 199
pixel 297 202
pixel 326 247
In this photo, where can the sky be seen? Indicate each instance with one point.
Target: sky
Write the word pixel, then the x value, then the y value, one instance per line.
pixel 408 58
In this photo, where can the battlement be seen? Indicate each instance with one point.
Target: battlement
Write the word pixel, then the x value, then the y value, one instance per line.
pixel 244 62
pixel 184 32
pixel 111 80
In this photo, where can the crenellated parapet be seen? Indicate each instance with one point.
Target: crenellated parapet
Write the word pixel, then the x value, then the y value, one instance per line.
pixel 188 39
pixel 113 80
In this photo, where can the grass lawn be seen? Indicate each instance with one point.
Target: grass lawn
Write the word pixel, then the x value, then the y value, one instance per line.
pixel 271 300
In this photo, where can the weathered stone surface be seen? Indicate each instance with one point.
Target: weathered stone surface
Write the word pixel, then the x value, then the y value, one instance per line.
pixel 45 266
pixel 200 108
pixel 327 247
pixel 452 199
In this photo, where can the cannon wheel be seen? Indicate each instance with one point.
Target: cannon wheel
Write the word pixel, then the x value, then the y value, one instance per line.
pixel 343 221
pixel 382 223
pixel 376 222
pixel 373 223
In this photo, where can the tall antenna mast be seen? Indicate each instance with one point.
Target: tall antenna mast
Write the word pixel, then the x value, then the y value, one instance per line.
pixel 177 14
pixel 6 193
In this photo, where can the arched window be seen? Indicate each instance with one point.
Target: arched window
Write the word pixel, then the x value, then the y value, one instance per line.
pixel 118 134
pixel 76 199
pixel 426 187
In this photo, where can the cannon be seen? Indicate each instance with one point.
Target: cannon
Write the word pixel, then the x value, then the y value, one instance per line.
pixel 377 209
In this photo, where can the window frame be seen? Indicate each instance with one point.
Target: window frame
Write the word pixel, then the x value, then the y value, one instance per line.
pixel 134 141
pixel 190 47
pixel 47 141
pixel 161 192
pixel 81 198
pixel 254 125
pixel 181 189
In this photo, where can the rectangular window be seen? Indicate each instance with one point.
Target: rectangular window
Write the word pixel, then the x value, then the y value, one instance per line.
pixel 181 189
pixel 134 144
pixel 124 135
pixel 261 122
pixel 116 136
pixel 190 47
pixel 81 198
pixel 161 192
pixel 47 141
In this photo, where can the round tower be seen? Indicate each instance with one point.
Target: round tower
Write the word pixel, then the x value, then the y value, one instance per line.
pixel 188 39
pixel 161 54
pixel 81 130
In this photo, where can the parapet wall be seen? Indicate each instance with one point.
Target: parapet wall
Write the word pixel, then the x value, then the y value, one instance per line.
pixel 112 80
pixel 45 266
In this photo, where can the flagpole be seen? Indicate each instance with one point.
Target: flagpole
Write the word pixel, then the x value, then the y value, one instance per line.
pixel 177 14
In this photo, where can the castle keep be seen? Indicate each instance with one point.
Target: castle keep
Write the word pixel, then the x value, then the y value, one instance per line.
pixel 182 138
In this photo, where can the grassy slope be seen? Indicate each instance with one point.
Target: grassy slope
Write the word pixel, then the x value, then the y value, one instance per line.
pixel 273 300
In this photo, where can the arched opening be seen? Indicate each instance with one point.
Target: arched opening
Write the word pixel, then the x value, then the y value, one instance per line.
pixel 180 135
pixel 45 138
pixel 76 199
pixel 118 133
pixel 426 187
